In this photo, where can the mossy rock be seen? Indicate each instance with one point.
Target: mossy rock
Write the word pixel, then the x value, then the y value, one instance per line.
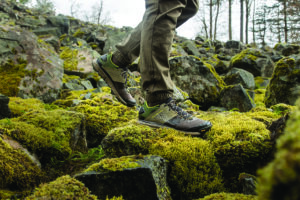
pixel 280 178
pixel 19 106
pixel 193 169
pixel 49 134
pixel 284 86
pixel 17 171
pixel 241 142
pixel 103 114
pixel 248 60
pixel 63 188
pixel 127 175
pixel 229 196
pixel 198 78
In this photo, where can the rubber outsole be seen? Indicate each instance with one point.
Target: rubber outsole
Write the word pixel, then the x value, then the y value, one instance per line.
pixel 109 82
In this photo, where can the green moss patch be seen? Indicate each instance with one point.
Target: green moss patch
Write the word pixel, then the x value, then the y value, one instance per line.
pixel 114 164
pixel 63 188
pixel 193 169
pixel 70 57
pixel 17 171
pixel 280 179
pixel 47 133
pixel 229 196
pixel 11 75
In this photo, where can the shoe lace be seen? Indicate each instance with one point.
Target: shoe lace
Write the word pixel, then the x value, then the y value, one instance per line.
pixel 182 113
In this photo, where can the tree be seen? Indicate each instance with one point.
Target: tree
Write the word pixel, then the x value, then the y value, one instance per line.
pixel 216 19
pixel 74 8
pixel 230 19
pixel 242 21
pixel 248 8
pixel 45 6
pixel 261 24
pixel 98 16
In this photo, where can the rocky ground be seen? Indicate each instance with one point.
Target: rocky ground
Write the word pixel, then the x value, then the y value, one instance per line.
pixel 63 135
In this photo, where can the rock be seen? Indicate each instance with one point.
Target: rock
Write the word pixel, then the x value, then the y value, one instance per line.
pixel 115 36
pixel 192 168
pixel 235 97
pixel 261 82
pixel 31 69
pixel 133 177
pixel 86 84
pixel 253 61
pixel 198 79
pixel 280 178
pixel 287 49
pixel 284 85
pixel 190 48
pixel 73 86
pixel 4 108
pixel 236 76
pixel 248 183
pixel 78 60
pixel 232 44
pixel 49 134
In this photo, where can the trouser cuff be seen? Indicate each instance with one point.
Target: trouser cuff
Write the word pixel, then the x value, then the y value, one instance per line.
pixel 120 58
pixel 157 98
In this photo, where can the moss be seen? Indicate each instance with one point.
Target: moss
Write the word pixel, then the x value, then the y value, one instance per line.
pixel 11 75
pixel 79 33
pixel 114 164
pixel 63 188
pixel 103 113
pixel 19 106
pixel 285 76
pixel 46 133
pixel 280 178
pixel 17 171
pixel 250 54
pixel 229 196
pixel 67 78
pixel 240 143
pixel 259 97
pixel 115 198
pixel 193 170
pixel 70 57
pixel 282 109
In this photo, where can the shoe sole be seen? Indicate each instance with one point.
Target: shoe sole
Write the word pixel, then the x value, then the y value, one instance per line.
pixel 199 133
pixel 109 82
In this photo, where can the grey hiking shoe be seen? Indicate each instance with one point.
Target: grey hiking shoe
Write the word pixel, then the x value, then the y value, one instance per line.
pixel 115 77
pixel 170 115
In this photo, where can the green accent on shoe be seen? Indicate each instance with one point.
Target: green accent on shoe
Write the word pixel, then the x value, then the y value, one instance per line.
pixel 148 110
pixel 116 73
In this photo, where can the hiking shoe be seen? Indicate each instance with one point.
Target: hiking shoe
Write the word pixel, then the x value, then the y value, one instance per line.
pixel 115 77
pixel 170 115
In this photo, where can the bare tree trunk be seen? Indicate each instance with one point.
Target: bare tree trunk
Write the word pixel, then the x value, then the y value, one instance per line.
pixel 253 22
pixel 216 19
pixel 230 21
pixel 100 12
pixel 242 21
pixel 285 21
pixel 248 4
pixel 210 19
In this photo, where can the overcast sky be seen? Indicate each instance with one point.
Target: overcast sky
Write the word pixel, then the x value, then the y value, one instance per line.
pixel 122 12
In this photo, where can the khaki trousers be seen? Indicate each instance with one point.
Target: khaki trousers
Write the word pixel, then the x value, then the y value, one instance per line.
pixel 151 40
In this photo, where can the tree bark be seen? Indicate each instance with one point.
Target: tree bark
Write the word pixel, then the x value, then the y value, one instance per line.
pixel 285 21
pixel 210 19
pixel 230 20
pixel 216 19
pixel 242 21
pixel 247 19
